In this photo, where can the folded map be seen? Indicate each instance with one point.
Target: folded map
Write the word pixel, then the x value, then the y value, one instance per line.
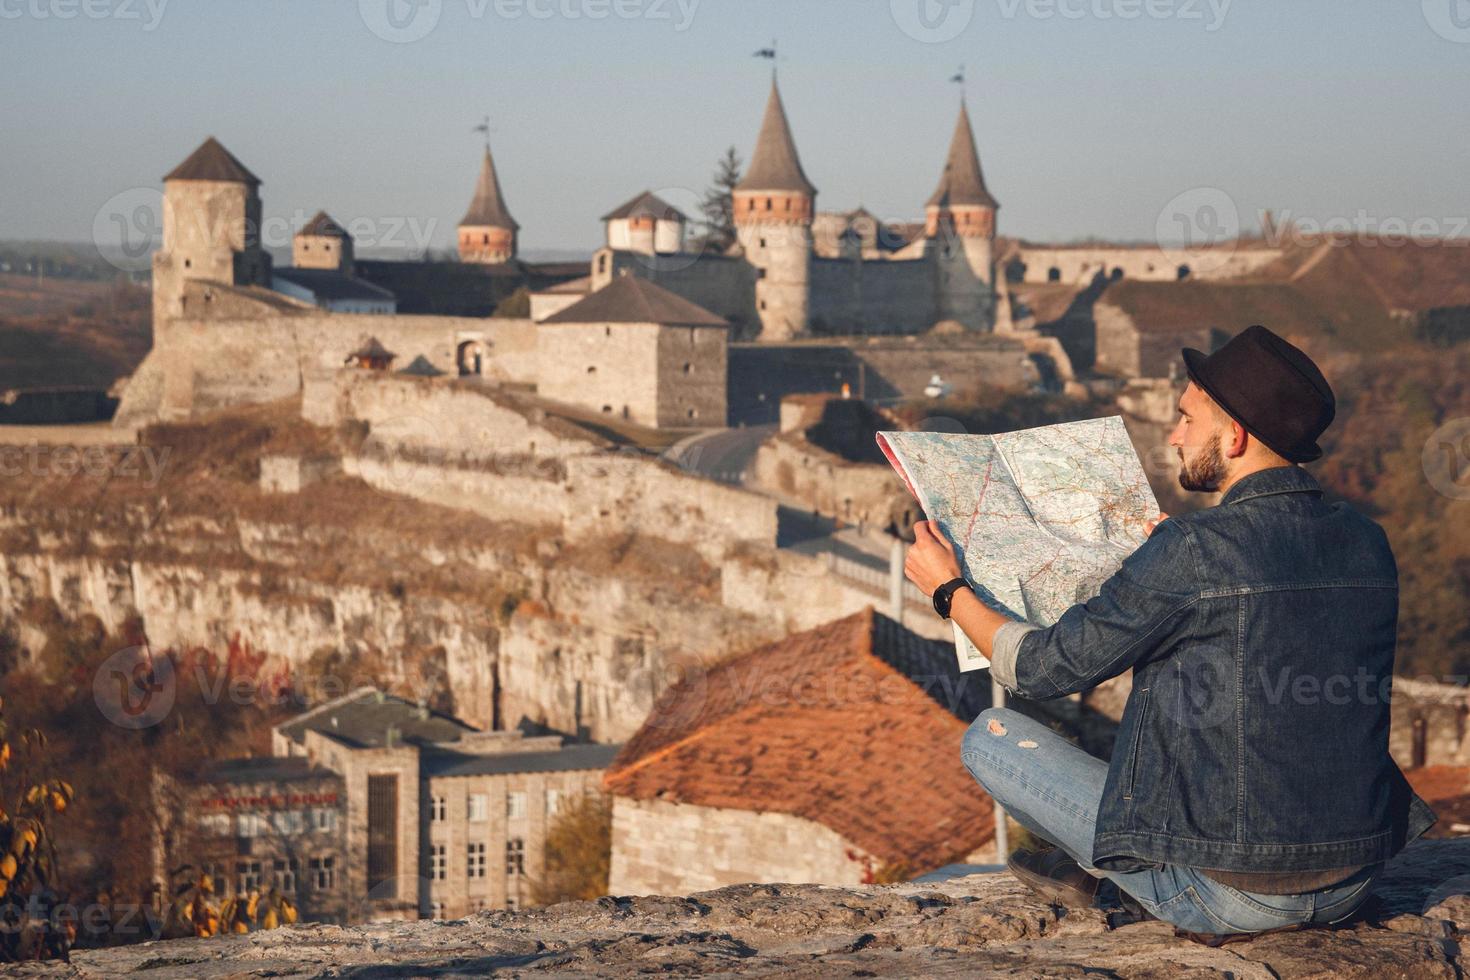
pixel 1039 518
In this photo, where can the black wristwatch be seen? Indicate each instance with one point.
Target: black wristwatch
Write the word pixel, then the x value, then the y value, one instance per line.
pixel 945 593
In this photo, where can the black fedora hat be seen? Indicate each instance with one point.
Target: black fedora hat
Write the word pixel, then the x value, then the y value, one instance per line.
pixel 1270 387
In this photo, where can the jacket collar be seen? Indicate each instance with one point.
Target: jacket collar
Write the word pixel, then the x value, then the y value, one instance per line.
pixel 1277 479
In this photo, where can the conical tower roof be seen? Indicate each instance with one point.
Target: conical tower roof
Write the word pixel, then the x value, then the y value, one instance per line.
pixel 962 182
pixel 775 166
pixel 213 162
pixel 488 207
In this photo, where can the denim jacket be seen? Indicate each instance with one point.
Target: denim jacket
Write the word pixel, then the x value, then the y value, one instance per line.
pixel 1261 637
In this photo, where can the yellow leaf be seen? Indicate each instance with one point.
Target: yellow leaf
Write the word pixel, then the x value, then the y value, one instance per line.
pixel 241 927
pixel 270 921
pixel 7 867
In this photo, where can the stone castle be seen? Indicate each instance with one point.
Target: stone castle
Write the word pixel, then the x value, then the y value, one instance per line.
pixel 231 326
pixel 709 337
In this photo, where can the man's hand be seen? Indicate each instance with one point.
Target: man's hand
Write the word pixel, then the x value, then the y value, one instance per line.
pixel 1149 527
pixel 931 559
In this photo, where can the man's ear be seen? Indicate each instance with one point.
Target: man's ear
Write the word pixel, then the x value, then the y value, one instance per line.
pixel 1238 437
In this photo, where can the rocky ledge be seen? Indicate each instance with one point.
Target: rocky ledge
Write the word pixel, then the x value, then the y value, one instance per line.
pixel 980 925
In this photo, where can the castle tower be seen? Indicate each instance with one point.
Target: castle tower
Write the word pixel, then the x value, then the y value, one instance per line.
pixel 487 233
pixel 323 244
pixel 211 228
pixel 773 204
pixel 959 221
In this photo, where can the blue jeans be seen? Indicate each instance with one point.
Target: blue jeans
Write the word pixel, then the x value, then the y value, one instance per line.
pixel 1053 788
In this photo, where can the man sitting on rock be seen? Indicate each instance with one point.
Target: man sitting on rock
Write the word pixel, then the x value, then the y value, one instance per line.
pixel 1250 786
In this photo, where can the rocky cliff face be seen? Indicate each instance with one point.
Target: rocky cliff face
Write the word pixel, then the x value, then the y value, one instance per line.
pixel 342 584
pixel 982 925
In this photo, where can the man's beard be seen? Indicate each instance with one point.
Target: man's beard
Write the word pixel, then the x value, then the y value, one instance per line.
pixel 1205 472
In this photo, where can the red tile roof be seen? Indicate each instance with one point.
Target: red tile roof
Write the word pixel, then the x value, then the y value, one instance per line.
pixel 845 725
pixel 1447 791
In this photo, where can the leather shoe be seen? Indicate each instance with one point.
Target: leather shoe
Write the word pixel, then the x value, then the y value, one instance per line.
pixel 1054 875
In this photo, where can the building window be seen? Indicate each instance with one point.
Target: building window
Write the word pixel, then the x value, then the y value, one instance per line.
pixel 515 806
pixel 487 240
pixel 553 802
pixel 324 873
pixel 479 805
pixel 250 825
pixel 216 824
pixel 382 856
pixel 475 860
pixel 439 861
pixel 247 877
pixel 592 369
pixel 607 331
pixel 287 822
pixel 324 819
pixel 768 204
pixel 688 367
pixel 691 413
pixel 437 808
pixel 515 857
pixel 283 874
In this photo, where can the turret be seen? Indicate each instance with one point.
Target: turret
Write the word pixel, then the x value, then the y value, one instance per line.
pixel 960 225
pixel 323 244
pixel 647 224
pixel 773 206
pixel 487 233
pixel 211 228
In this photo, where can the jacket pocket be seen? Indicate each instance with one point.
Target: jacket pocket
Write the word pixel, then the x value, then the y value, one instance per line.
pixel 1138 726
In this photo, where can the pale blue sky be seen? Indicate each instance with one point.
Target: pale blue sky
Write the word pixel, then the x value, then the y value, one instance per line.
pixel 1088 124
